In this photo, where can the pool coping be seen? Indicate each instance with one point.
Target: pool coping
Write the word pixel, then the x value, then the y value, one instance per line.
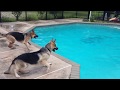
pixel 55 24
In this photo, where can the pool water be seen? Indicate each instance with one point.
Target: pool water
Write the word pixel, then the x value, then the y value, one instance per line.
pixel 95 47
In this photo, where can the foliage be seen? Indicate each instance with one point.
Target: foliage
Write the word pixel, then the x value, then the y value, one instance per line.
pixel 17 14
pixel 92 19
pixel 7 19
pixel 40 14
pixel 37 15
pixel 54 13
pixel 32 17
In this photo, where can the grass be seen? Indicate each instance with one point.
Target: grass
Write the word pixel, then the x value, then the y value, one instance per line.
pixel 33 15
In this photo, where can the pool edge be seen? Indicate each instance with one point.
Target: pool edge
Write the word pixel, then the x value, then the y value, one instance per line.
pixel 75 70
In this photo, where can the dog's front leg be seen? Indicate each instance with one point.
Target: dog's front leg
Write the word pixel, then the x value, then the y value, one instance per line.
pixel 29 43
pixel 27 47
pixel 45 63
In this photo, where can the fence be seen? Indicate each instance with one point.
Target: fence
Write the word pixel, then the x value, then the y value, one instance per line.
pixel 46 15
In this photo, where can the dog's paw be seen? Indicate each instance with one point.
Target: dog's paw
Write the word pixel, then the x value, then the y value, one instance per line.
pixel 24 72
pixel 13 48
pixel 17 76
pixel 50 63
pixel 16 44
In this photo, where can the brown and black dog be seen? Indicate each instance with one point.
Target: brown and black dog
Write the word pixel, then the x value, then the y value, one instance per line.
pixel 20 37
pixel 33 58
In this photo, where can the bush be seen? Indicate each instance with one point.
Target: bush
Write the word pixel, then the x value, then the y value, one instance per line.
pixel 92 19
pixel 7 19
pixel 32 17
pixel 22 19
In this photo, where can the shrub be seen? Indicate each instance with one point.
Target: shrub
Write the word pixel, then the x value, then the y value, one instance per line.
pixel 17 14
pixel 92 19
pixel 7 19
pixel 32 17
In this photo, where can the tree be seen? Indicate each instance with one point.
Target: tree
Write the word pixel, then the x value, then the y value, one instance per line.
pixel 88 14
pixel 46 15
pixel 40 13
pixel 0 16
pixel 62 14
pixel 54 13
pixel 17 14
pixel 104 12
pixel 116 13
pixel 26 15
pixel 76 14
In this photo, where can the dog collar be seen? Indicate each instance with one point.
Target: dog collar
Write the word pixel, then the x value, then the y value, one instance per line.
pixel 48 49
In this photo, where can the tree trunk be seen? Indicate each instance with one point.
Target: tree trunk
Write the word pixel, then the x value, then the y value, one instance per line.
pixel 26 15
pixel 55 15
pixel 62 14
pixel 17 18
pixel 76 14
pixel 104 15
pixel 46 15
pixel 108 15
pixel 0 17
pixel 88 14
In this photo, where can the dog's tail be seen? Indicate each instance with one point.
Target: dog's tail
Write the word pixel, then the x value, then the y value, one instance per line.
pixel 4 35
pixel 9 69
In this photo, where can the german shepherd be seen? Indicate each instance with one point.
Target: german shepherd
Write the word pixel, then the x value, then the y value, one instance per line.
pixel 20 37
pixel 39 57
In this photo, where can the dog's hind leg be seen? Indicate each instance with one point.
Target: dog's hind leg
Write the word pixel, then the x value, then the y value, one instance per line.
pixel 16 73
pixel 11 40
pixel 23 67
pixel 15 70
pixel 17 67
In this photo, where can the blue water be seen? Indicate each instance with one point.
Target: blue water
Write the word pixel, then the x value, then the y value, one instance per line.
pixel 95 47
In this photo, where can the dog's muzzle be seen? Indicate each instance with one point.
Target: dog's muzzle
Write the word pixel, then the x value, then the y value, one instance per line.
pixel 55 49
pixel 36 36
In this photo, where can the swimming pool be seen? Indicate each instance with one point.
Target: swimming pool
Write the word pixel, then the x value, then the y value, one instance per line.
pixel 95 47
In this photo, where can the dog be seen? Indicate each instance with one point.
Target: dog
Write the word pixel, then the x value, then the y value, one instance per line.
pixel 39 57
pixel 20 37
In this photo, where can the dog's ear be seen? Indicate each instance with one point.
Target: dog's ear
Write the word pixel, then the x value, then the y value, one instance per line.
pixel 32 30
pixel 54 40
